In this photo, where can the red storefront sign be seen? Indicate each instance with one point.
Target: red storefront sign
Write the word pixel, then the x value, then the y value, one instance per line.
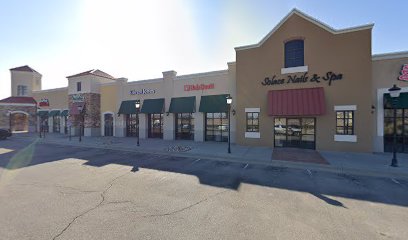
pixel 198 87
pixel 404 73
pixel 44 103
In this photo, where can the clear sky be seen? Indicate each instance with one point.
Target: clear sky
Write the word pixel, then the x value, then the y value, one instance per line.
pixel 141 39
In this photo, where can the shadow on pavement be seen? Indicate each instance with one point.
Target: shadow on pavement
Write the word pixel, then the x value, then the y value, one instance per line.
pixel 222 174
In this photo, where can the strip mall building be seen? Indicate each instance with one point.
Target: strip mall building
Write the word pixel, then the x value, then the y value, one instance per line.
pixel 304 85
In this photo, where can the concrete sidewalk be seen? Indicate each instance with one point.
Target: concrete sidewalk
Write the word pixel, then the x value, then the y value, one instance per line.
pixel 367 164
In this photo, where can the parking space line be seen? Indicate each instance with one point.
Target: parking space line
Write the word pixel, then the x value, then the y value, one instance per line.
pixel 395 181
pixel 196 161
pixel 246 166
pixel 309 172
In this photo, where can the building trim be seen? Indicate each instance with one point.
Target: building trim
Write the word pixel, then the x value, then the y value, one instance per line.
pixel 12 112
pixel 155 80
pixel 253 110
pixel 345 138
pixel 345 108
pixel 203 74
pixel 300 69
pixel 391 55
pixel 310 19
pixel 50 90
pixel 19 104
pixel 252 135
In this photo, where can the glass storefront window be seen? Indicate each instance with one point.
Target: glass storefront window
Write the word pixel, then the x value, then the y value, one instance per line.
pixel 184 126
pixel 216 127
pixel 295 132
pixel 131 125
pixel 402 130
pixel 56 125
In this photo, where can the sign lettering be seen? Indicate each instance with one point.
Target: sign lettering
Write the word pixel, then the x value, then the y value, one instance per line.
pixel 329 77
pixel 143 91
pixel 404 73
pixel 44 102
pixel 77 98
pixel 198 87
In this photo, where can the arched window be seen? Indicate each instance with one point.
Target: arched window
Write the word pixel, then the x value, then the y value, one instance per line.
pixel 294 53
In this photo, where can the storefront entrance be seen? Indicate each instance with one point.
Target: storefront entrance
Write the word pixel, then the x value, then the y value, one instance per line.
pixel 131 125
pixel 56 125
pixel 402 130
pixel 184 126
pixel 19 122
pixel 295 132
pixel 216 127
pixel 155 121
pixel 108 123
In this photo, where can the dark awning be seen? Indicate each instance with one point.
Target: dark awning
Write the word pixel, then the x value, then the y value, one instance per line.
pixel 127 107
pixel 74 108
pixel 64 113
pixel 54 113
pixel 42 113
pixel 153 105
pixel 214 103
pixel 401 103
pixel 296 102
pixel 182 105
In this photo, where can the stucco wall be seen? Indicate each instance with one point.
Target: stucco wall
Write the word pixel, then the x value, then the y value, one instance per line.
pixel 57 98
pixel 348 54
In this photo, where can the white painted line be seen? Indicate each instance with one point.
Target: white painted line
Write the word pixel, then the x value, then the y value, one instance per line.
pixel 309 172
pixel 394 180
pixel 196 161
pixel 246 166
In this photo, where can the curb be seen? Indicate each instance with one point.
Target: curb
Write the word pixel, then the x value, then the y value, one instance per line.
pixel 274 163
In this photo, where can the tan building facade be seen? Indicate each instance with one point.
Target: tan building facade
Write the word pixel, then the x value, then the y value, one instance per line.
pixel 305 85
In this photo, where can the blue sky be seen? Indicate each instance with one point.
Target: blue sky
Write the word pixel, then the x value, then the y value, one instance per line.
pixel 141 39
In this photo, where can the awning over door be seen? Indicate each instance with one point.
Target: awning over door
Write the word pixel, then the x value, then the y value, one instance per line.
pixel 214 103
pixel 296 102
pixel 74 108
pixel 43 113
pixel 153 106
pixel 54 113
pixel 182 105
pixel 64 113
pixel 401 103
pixel 127 107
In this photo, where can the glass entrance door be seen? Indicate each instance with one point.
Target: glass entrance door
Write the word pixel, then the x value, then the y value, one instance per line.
pixel 108 122
pixel 295 132
pixel 184 126
pixel 131 122
pixel 156 125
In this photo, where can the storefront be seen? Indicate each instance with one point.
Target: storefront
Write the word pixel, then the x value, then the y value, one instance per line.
pixel 292 89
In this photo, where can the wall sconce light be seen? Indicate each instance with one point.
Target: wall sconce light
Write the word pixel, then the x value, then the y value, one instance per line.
pixel 372 108
pixel 233 112
pixel 167 113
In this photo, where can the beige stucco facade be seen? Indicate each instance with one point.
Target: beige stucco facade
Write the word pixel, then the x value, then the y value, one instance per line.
pixel 347 53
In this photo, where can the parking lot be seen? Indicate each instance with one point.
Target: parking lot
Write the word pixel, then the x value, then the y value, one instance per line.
pixel 52 191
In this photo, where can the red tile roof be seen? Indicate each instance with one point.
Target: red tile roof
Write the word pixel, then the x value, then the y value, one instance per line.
pixel 296 102
pixel 94 72
pixel 25 68
pixel 18 100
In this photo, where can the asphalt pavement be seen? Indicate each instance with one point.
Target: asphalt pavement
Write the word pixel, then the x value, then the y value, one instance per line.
pixel 50 191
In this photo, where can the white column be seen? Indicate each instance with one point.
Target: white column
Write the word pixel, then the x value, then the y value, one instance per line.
pixel 143 127
pixel 168 127
pixel 199 125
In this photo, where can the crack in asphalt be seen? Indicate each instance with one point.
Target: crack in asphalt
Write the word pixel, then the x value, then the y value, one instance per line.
pixel 185 208
pixel 102 195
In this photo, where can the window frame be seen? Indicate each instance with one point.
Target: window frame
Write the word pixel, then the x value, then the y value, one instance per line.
pixel 346 128
pixel 250 127
pixel 79 86
pixel 292 57
pixel 21 90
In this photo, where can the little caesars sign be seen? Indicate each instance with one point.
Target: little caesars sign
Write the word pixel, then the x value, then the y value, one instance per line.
pixel 329 78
